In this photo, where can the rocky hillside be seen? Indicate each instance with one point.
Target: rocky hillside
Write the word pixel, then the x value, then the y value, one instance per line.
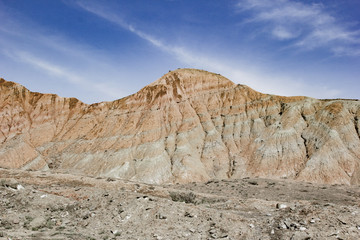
pixel 189 125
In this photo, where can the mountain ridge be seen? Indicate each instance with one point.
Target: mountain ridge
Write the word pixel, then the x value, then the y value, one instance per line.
pixel 189 125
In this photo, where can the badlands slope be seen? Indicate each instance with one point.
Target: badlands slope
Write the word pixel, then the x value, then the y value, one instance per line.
pixel 189 125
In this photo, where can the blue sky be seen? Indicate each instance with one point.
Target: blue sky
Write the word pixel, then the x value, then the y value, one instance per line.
pixel 105 50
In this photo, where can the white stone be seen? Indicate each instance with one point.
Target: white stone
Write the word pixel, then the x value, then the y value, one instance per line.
pixel 281 206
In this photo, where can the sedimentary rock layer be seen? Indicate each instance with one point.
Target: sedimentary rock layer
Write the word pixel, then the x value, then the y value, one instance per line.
pixel 189 125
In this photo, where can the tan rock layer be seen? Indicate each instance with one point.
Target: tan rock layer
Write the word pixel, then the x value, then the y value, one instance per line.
pixel 189 125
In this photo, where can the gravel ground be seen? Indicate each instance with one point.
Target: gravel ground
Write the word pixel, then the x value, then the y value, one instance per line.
pixel 44 205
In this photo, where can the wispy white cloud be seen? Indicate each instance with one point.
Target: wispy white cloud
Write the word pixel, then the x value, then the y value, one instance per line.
pixel 99 11
pixel 32 34
pixel 309 25
pixel 49 68
pixel 60 72
pixel 181 53
pixel 345 51
pixel 282 33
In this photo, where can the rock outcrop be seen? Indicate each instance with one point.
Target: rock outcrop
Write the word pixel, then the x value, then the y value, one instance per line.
pixel 189 125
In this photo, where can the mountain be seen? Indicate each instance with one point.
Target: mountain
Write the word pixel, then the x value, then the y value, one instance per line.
pixel 189 125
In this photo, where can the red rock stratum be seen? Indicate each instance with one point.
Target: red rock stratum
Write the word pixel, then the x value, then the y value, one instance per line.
pixel 189 125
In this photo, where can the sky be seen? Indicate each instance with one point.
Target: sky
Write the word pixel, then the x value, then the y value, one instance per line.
pixel 105 50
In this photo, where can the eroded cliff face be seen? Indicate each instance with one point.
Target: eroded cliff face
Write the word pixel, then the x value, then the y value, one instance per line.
pixel 189 125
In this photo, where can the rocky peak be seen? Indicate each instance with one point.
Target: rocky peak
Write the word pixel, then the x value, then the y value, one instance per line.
pixel 181 84
pixel 4 83
pixel 192 81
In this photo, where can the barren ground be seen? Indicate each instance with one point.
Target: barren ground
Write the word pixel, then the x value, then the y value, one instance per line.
pixel 44 205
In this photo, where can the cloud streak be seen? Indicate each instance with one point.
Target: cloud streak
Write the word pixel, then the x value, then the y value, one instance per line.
pixel 310 26
pixel 114 18
pixel 60 72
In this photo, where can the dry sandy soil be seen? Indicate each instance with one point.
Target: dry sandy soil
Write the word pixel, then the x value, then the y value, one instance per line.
pixel 44 205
